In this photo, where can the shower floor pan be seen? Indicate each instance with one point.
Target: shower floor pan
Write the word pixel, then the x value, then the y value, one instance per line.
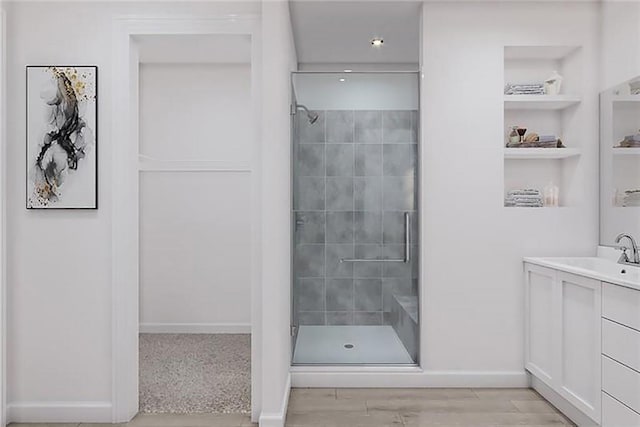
pixel 346 345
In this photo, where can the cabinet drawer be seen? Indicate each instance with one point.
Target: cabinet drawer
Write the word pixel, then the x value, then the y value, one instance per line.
pixel 621 382
pixel 615 414
pixel 621 305
pixel 621 344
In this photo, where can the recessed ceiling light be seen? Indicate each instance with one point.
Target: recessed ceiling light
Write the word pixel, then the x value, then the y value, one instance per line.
pixel 342 80
pixel 377 42
pixel 348 71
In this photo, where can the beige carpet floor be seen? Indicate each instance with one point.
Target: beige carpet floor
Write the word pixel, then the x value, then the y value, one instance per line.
pixel 195 373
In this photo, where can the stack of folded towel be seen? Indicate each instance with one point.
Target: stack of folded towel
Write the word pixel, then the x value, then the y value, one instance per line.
pixel 631 198
pixel 541 141
pixel 547 141
pixel 524 198
pixel 631 141
pixel 524 89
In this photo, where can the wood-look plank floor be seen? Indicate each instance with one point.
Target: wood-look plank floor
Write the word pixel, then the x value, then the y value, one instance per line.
pixel 462 407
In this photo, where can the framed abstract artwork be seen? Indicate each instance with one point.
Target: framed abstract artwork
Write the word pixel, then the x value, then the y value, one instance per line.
pixel 62 137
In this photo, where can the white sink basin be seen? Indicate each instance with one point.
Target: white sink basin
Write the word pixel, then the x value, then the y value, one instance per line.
pixel 597 268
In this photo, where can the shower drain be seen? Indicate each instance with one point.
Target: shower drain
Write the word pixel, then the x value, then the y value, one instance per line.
pixel 348 346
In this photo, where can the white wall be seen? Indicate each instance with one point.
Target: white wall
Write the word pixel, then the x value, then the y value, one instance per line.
pixel 195 226
pixel 620 29
pixel 472 300
pixel 59 262
pixel 278 60
pixel 195 112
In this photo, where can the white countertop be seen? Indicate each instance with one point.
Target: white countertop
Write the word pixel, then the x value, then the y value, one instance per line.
pixel 600 268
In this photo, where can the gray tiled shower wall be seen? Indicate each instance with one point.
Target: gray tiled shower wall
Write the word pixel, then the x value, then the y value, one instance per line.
pixel 354 178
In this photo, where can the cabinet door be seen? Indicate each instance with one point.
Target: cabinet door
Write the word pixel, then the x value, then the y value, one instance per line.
pixel 539 322
pixel 580 326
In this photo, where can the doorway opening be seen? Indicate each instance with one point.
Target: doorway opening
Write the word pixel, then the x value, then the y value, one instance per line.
pixel 355 218
pixel 195 140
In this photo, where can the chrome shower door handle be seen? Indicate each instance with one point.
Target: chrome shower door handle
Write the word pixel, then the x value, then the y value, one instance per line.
pixel 407 237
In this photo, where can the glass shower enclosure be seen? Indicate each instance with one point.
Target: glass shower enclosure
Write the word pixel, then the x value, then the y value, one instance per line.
pixel 355 248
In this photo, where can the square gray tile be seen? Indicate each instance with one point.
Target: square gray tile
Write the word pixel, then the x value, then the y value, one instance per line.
pixel 340 159
pixel 399 193
pixel 339 294
pixel 339 318
pixel 400 159
pixel 310 160
pixel 309 260
pixel 368 269
pixel 397 286
pixel 339 126
pixel 368 227
pixel 397 127
pixel 335 268
pixel 367 318
pixel 393 227
pixel 310 227
pixel 309 193
pixel 311 318
pixel 368 126
pixel 339 194
pixel 368 294
pixel 310 294
pixel 398 269
pixel 368 193
pixel 310 133
pixel 368 160
pixel 339 227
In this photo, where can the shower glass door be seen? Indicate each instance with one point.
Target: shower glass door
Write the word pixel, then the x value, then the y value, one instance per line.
pixel 355 145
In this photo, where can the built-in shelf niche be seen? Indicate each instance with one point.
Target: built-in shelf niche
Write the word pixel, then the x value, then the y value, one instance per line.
pixel 620 165
pixel 559 115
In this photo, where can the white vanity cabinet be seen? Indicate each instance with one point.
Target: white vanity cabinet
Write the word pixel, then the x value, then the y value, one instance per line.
pixel 620 356
pixel 582 341
pixel 562 346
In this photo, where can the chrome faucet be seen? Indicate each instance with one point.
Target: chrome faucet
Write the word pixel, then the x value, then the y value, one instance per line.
pixel 624 258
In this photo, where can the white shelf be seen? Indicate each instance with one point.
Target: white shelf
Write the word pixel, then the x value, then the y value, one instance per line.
pixel 540 153
pixel 628 151
pixel 626 99
pixel 539 102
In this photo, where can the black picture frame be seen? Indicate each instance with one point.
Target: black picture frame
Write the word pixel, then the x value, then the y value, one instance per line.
pixel 95 130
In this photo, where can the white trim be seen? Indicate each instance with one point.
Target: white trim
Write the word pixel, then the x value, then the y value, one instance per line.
pixel 195 328
pixel 150 164
pixel 256 224
pixel 278 419
pixel 59 412
pixel 125 286
pixel 404 377
pixel 3 219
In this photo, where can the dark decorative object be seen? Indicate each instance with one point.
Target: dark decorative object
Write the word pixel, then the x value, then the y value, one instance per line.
pixel 62 116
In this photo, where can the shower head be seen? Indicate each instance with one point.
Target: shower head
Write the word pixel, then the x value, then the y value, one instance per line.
pixel 313 117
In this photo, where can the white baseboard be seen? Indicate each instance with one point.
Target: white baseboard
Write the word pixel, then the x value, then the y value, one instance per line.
pixel 273 419
pixel 403 377
pixel 59 412
pixel 195 328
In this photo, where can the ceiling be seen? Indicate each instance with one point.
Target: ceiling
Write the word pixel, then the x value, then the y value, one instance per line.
pixel 340 32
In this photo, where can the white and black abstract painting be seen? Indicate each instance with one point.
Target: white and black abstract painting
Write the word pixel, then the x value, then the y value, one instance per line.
pixel 62 137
